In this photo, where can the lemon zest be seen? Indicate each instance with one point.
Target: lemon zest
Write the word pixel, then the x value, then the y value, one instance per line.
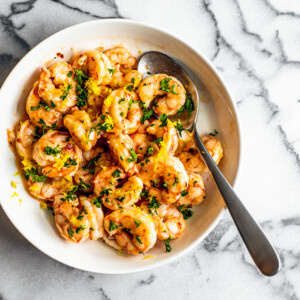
pixel 120 252
pixel 17 173
pixel 27 164
pixel 14 194
pixel 60 161
pixel 43 205
pixel 108 100
pixel 148 256
pixel 92 87
pixel 13 184
pixel 20 200
pixel 74 221
pixel 34 187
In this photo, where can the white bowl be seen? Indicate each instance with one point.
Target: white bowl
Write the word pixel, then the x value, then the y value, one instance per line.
pixel 217 111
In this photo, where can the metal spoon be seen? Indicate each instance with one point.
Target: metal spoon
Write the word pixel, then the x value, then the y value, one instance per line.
pixel 259 247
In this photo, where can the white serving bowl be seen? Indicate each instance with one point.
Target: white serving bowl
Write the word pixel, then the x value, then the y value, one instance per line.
pixel 217 111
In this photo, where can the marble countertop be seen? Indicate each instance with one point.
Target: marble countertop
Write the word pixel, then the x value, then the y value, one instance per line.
pixel 256 46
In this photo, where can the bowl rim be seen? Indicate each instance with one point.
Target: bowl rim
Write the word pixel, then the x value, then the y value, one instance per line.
pixel 235 110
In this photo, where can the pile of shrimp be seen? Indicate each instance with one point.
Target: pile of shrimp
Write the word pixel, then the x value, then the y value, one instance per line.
pixel 93 150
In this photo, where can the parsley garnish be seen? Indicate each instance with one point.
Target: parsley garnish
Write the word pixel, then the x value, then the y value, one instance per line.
pixel 167 244
pixel 157 141
pixel 116 173
pixel 70 162
pixel 52 151
pixel 35 177
pixel 185 210
pixel 84 186
pixel 137 223
pixel 138 238
pixel 80 228
pixel 97 202
pixel 66 92
pixel 70 232
pixel 164 85
pixel 179 127
pixel 146 113
pixel 133 156
pixel 41 104
pixel 164 120
pixel 121 100
pixel 112 226
pixel 214 133
pixel 189 105
pixel 153 204
pixel 184 193
pixel 111 71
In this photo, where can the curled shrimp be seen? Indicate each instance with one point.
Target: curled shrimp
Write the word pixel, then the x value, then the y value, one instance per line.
pixel 96 65
pixel 191 158
pixel 142 145
pixel 169 221
pixel 168 133
pixel 120 79
pixel 107 179
pixel 124 109
pixel 133 229
pixel 25 139
pixel 95 216
pixel 39 112
pixel 58 87
pixel 49 189
pixel 120 56
pixel 167 174
pixel 57 154
pixel 167 90
pixel 70 218
pixel 124 196
pixel 195 193
pixel 79 125
pixel 122 148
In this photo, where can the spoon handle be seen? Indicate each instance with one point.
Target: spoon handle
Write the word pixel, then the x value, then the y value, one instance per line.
pixel 259 247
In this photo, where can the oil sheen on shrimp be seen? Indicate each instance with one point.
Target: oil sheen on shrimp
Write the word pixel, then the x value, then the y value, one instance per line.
pixel 39 112
pixel 133 229
pixel 192 159
pixel 94 215
pixel 58 87
pixel 57 154
pixel 123 106
pixel 96 65
pixel 70 218
pixel 168 219
pixel 167 90
pixel 25 139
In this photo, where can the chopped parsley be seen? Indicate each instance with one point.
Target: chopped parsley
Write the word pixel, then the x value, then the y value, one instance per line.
pixel 138 238
pixel 137 223
pixel 70 162
pixel 111 71
pixel 214 133
pixel 164 85
pixel 70 73
pixel 157 141
pixel 66 92
pixel 41 104
pixel 35 177
pixel 164 120
pixel 189 105
pixel 83 186
pixel 176 181
pixel 186 211
pixel 147 114
pixel 179 127
pixel 116 173
pixel 112 226
pixel 133 156
pixel 184 193
pixel 97 202
pixel 149 151
pixel 153 204
pixel 167 244
pixel 79 228
pixel 173 90
pixel 70 232
pixel 52 151
pixel 121 100
pixel 70 195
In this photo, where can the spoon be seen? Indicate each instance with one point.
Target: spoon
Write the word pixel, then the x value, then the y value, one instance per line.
pixel 259 247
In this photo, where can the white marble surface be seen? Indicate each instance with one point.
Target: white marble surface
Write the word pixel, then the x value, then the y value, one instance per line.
pixel 256 46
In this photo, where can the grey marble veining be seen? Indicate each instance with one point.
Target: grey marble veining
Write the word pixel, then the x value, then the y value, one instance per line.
pixel 256 46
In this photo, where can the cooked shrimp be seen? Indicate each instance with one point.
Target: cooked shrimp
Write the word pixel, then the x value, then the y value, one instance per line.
pixel 125 196
pixel 84 178
pixel 195 193
pixel 191 158
pixel 71 221
pixel 57 154
pixel 167 90
pixel 122 147
pixel 49 189
pixel 79 125
pixel 168 133
pixel 123 107
pixel 107 179
pixel 39 112
pixel 96 65
pixel 111 241
pixel 131 79
pixel 168 219
pixel 25 139
pixel 58 87
pixel 168 174
pixel 142 145
pixel 133 229
pixel 120 56
pixel 95 216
